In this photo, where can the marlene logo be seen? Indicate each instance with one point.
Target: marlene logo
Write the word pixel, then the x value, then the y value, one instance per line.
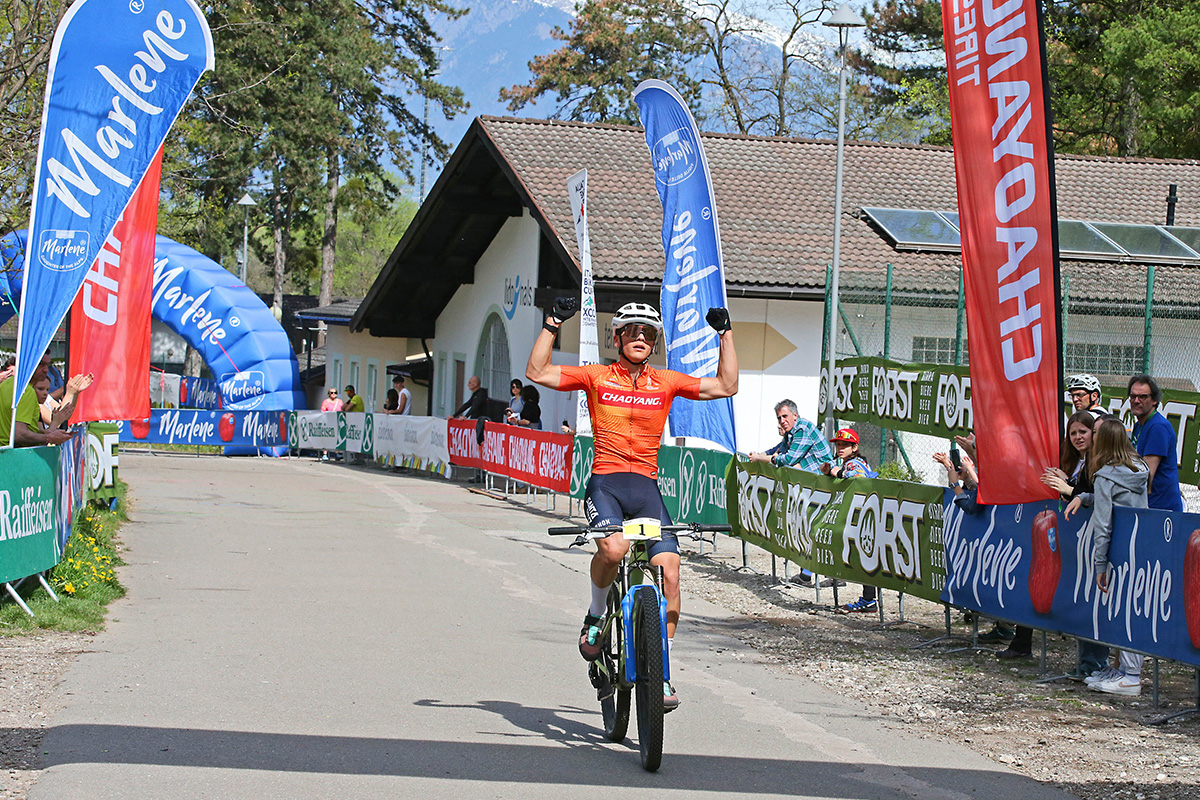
pixel 63 251
pixel 243 390
pixel 632 399
pixel 675 157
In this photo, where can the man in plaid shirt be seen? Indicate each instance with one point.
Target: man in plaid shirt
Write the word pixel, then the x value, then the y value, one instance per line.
pixel 803 447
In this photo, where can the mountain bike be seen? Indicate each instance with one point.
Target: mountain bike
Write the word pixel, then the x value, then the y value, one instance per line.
pixel 634 657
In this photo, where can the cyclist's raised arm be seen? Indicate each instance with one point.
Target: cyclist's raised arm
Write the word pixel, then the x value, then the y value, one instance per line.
pixel 539 369
pixel 725 383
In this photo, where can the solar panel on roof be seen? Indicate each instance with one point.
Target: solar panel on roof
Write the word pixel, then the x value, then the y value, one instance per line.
pixel 916 230
pixel 1144 241
pixel 1079 239
pixel 952 218
pixel 1189 236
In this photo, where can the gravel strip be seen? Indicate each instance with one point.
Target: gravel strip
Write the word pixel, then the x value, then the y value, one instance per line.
pixel 1093 745
pixel 31 668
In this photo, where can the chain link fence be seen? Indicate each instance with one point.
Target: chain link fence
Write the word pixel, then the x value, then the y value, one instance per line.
pixel 1118 320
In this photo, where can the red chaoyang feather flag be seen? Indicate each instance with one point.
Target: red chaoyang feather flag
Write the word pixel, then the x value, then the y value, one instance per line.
pixel 1004 169
pixel 110 318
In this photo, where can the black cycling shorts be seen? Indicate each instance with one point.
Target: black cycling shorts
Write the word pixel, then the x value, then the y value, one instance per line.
pixel 613 498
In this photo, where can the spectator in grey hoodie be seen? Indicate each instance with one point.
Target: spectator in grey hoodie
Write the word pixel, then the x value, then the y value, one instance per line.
pixel 1120 478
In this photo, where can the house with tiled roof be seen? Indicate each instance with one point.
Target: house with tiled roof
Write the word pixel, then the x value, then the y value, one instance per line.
pixel 494 243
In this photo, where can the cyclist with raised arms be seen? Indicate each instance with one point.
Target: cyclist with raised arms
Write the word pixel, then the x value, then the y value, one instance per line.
pixel 628 401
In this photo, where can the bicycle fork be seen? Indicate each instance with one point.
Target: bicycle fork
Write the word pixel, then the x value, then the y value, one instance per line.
pixel 627 617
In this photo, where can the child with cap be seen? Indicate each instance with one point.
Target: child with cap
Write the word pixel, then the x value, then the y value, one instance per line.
pixel 851 464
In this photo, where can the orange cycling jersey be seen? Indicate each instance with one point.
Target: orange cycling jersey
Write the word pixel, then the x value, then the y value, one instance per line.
pixel 628 416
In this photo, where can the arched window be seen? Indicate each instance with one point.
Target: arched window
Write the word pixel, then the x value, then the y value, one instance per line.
pixel 492 365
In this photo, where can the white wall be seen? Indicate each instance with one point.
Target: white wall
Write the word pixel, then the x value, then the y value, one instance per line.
pixel 364 350
pixel 509 263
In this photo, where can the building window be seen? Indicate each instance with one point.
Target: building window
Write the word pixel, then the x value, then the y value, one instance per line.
pixel 935 350
pixel 492 365
pixel 1102 359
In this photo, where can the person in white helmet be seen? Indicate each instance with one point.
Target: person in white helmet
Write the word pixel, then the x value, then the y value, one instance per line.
pixel 628 401
pixel 1084 391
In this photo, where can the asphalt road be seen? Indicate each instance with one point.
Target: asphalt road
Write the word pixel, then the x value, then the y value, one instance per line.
pixel 305 630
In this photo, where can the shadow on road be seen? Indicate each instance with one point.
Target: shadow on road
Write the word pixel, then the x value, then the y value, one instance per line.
pixel 541 762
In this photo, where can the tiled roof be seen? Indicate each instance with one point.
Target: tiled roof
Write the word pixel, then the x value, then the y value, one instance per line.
pixel 338 311
pixel 775 202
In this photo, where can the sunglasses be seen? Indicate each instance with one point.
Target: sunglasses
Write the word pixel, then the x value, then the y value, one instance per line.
pixel 647 332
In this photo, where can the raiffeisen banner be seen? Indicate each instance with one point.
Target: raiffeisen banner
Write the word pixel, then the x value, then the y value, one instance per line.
pixel 1003 163
pixel 694 280
pixel 119 74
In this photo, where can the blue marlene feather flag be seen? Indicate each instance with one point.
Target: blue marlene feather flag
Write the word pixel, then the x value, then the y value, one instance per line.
pixel 120 71
pixel 694 279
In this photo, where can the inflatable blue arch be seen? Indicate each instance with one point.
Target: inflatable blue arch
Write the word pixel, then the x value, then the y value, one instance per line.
pixel 244 346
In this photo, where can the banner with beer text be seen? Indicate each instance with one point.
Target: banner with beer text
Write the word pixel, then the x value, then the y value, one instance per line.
pixel 884 533
pixel 110 319
pixel 694 278
pixel 1003 164
pixel 119 75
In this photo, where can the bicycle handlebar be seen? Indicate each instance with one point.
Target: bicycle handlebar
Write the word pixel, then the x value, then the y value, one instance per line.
pixel 694 528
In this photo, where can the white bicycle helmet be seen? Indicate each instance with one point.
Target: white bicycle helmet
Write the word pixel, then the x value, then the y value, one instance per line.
pixel 1087 383
pixel 637 314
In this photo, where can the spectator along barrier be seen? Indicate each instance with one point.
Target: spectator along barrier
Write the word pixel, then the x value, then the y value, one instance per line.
pixel 1023 563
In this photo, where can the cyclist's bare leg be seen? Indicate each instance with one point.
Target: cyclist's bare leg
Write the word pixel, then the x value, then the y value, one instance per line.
pixel 607 559
pixel 670 564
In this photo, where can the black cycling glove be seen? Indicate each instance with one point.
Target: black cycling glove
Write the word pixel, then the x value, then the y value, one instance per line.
pixel 564 308
pixel 718 319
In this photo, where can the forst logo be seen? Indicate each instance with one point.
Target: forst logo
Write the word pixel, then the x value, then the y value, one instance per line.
pixel 63 251
pixel 244 390
pixel 675 157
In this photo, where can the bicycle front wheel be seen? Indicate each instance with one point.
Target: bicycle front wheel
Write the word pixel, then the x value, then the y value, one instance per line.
pixel 647 645
pixel 614 693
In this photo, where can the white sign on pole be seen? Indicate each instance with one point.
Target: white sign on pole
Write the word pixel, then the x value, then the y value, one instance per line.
pixel 589 348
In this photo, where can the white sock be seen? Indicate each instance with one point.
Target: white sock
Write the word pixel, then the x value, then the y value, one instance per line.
pixel 599 600
pixel 670 644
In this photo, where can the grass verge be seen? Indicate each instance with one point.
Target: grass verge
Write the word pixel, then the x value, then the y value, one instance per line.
pixel 85 580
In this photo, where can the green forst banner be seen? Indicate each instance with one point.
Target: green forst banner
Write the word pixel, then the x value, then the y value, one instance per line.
pixel 691 480
pixel 884 533
pixel 102 459
pixel 933 399
pixel 28 511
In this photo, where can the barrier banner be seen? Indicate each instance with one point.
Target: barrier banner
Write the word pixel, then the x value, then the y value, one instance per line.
pixel 694 278
pixel 193 427
pixel 540 458
pixel 933 399
pixel 884 533
pixel 412 442
pixel 690 479
pixel 102 460
pixel 317 430
pixel 72 482
pixel 164 390
pixel 29 511
pixel 110 319
pixel 1027 564
pixel 1003 165
pixel 110 100
pixel 199 393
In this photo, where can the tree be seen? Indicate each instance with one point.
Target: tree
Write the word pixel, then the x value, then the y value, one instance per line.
pixel 305 94
pixel 613 46
pixel 26 34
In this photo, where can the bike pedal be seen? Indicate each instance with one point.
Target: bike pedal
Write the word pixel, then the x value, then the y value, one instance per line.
pixel 598 679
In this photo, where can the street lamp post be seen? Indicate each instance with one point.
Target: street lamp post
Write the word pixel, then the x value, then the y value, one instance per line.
pixel 245 203
pixel 843 19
